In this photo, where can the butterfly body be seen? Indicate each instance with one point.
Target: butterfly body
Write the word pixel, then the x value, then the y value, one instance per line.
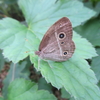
pixel 57 44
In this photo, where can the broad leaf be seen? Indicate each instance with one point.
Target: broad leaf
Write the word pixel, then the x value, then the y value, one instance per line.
pixel 21 89
pixel 41 14
pixel 74 75
pixel 15 42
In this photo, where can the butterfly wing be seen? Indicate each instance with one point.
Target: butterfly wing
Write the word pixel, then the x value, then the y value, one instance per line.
pixel 57 44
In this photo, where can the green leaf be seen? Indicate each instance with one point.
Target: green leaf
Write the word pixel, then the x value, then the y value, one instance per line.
pixel 65 94
pixel 74 75
pixel 16 71
pixel 1 98
pixel 44 13
pixel 15 42
pixel 21 89
pixel 42 84
pixel 91 31
pixel 83 47
pixel 96 64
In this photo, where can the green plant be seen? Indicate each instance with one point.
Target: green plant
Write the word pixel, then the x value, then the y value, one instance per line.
pixel 19 41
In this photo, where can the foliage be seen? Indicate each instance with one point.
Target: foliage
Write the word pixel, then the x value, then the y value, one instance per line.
pixel 26 91
pixel 19 40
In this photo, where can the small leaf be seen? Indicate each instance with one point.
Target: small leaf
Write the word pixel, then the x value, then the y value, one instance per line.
pixel 91 31
pixel 21 89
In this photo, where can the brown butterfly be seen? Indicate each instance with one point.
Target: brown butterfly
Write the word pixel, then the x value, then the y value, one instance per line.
pixel 57 44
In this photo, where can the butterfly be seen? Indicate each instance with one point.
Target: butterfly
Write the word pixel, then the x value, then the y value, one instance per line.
pixel 57 44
